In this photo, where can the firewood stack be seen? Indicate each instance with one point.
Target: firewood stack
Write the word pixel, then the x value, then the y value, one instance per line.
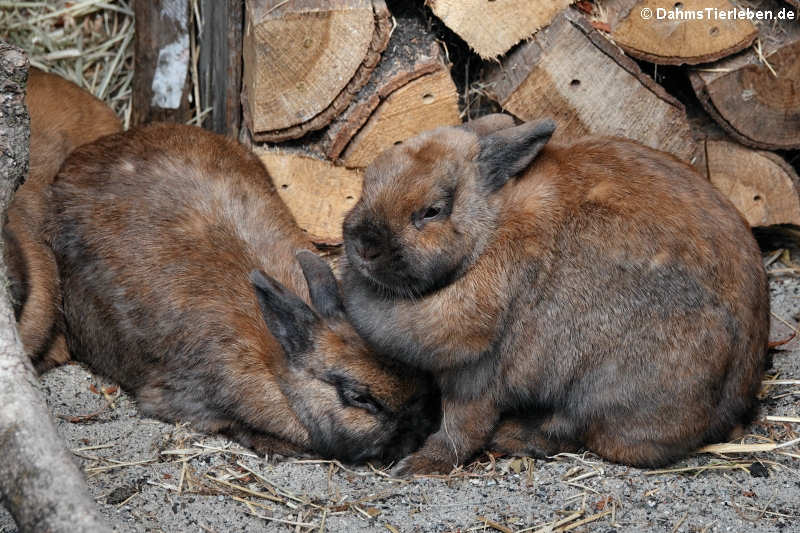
pixel 329 84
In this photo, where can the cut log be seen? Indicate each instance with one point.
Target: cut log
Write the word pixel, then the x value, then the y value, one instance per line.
pixel 677 38
pixel 571 73
pixel 762 186
pixel 304 61
pixel 755 96
pixel 40 484
pixel 161 78
pixel 492 28
pixel 411 91
pixel 220 64
pixel 318 193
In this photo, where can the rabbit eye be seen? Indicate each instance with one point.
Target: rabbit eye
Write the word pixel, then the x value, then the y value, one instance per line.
pixel 440 210
pixel 352 395
pixel 431 212
pixel 360 400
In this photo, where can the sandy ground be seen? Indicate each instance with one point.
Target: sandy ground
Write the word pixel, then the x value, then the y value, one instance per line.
pixel 151 476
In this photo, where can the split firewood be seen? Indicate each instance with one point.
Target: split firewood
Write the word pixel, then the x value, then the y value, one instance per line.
pixel 762 185
pixel 571 73
pixel 656 31
pixel 492 28
pixel 305 60
pixel 410 91
pixel 755 95
pixel 317 192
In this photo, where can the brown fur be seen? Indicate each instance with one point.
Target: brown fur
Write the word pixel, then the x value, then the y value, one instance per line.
pixel 63 117
pixel 156 232
pixel 607 296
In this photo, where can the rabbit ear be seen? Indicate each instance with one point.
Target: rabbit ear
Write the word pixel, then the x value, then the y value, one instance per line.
pixel 505 153
pixel 288 317
pixel 322 285
pixel 489 124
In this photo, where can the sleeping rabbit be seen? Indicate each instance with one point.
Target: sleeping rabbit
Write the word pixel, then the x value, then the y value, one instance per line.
pixel 63 117
pixel 186 280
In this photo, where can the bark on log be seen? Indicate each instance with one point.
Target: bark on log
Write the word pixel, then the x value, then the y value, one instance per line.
pixel 161 78
pixel 40 485
pixel 492 28
pixel 409 92
pixel 672 41
pixel 755 96
pixel 220 64
pixel 762 186
pixel 571 73
pixel 318 193
pixel 304 61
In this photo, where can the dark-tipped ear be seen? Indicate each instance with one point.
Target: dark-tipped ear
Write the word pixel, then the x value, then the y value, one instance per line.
pixel 288 317
pixel 489 124
pixel 508 152
pixel 322 285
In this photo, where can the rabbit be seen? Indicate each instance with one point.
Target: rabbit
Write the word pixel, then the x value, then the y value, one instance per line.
pixel 597 295
pixel 182 277
pixel 62 117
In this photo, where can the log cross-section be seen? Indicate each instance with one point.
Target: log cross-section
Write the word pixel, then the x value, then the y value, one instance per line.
pixel 305 59
pixel 676 32
pixel 761 185
pixel 409 92
pixel 755 95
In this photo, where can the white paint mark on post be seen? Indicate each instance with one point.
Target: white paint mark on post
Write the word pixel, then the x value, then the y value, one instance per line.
pixel 176 10
pixel 173 59
pixel 170 75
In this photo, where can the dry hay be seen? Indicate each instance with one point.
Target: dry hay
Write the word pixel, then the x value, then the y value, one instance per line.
pixel 88 42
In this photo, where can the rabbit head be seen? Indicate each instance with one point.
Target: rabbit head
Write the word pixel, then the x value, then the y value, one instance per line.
pixel 426 209
pixel 355 406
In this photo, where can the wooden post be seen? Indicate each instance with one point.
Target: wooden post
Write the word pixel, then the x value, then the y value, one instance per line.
pixel 220 64
pixel 161 79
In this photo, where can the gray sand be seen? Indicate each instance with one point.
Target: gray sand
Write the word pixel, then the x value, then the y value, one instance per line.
pixel 151 476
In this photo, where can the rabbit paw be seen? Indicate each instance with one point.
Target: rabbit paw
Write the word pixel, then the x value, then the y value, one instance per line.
pixel 418 464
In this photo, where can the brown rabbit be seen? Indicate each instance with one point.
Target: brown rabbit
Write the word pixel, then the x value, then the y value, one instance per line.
pixel 63 117
pixel 178 269
pixel 600 294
